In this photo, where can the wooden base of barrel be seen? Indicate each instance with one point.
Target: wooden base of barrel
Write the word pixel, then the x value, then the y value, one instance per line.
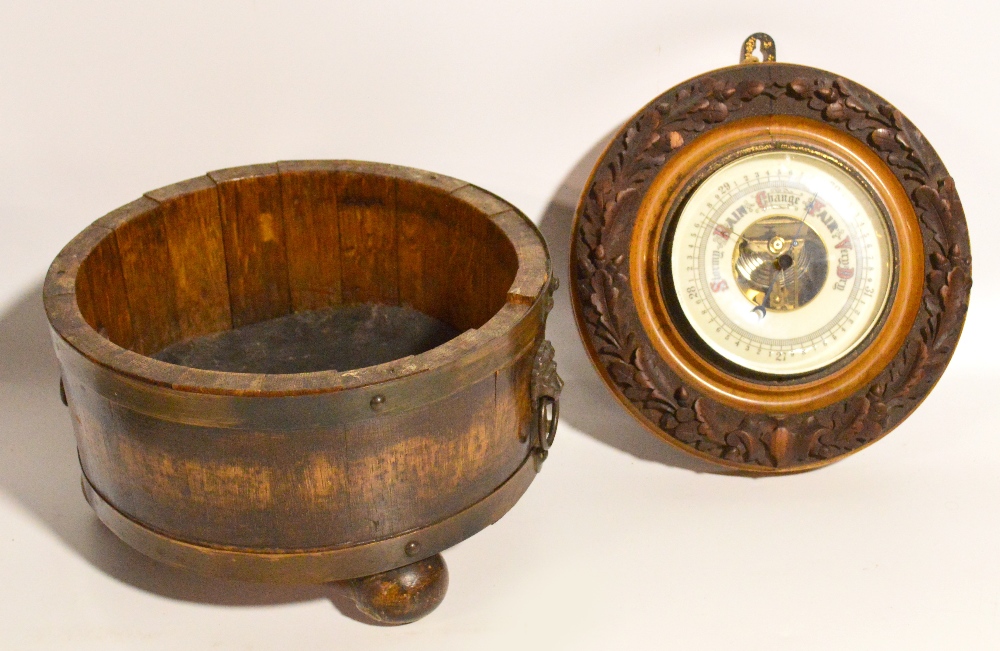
pixel 308 372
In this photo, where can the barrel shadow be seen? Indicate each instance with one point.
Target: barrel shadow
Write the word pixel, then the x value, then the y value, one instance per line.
pixel 39 469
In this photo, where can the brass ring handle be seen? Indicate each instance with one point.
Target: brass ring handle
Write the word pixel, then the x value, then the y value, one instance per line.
pixel 546 386
pixel 548 420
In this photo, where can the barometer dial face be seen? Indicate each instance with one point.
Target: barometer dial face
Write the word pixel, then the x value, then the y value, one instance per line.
pixel 781 262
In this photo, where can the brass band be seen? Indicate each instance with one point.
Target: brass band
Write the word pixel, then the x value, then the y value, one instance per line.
pixel 326 409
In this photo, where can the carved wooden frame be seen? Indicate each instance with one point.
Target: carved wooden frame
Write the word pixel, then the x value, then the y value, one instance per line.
pixel 769 439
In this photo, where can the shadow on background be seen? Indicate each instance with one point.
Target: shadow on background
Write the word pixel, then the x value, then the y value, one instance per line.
pixel 39 469
pixel 586 403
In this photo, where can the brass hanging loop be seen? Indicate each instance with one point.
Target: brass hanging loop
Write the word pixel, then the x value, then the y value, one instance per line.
pixel 750 47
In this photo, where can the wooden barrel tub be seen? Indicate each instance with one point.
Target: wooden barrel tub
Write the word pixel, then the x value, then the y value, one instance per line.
pixel 308 371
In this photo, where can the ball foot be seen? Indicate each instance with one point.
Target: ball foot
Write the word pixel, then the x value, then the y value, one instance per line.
pixel 402 595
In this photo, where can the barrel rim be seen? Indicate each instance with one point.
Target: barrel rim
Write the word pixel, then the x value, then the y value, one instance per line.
pixel 533 278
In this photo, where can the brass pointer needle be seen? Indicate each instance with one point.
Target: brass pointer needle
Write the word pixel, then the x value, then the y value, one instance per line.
pixel 784 261
pixel 781 263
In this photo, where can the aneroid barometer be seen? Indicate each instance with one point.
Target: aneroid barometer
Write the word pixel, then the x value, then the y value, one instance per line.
pixel 771 265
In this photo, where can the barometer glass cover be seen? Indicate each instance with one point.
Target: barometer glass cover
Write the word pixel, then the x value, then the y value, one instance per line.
pixel 781 262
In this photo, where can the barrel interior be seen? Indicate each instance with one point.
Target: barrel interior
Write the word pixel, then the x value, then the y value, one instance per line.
pixel 294 270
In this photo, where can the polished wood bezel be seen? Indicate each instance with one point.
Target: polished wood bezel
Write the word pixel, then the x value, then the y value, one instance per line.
pixel 668 193
pixel 784 425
